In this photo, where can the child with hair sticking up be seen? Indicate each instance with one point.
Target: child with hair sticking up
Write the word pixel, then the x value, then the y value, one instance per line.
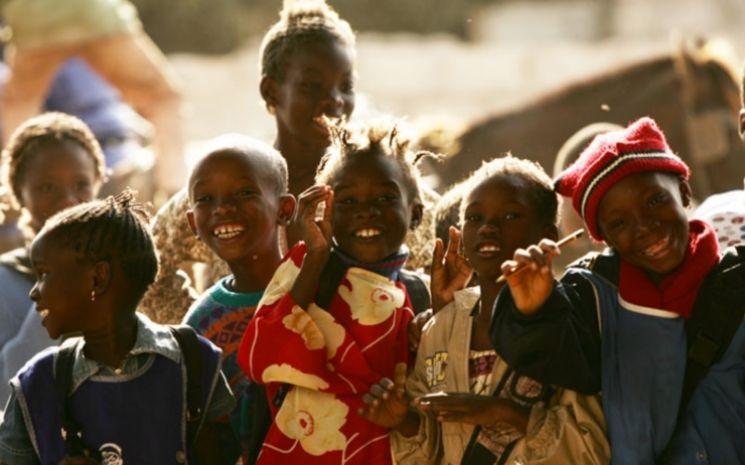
pixel 655 323
pixel 338 304
pixel 52 162
pixel 307 68
pixel 239 198
pixel 470 406
pixel 119 393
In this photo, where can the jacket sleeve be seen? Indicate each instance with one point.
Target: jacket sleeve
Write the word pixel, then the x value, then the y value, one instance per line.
pixel 559 344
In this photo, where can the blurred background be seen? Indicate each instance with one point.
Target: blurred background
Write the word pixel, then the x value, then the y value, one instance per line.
pixel 452 61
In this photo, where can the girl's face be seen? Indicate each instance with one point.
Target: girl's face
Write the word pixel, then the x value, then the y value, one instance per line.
pixel 63 287
pixel 318 81
pixel 58 175
pixel 643 218
pixel 373 207
pixel 235 206
pixel 500 217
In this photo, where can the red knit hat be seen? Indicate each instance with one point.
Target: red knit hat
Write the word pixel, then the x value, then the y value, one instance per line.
pixel 611 157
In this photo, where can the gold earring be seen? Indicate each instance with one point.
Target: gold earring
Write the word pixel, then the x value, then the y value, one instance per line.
pixel 271 109
pixel 93 296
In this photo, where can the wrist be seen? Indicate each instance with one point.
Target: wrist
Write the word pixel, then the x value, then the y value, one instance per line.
pixel 409 424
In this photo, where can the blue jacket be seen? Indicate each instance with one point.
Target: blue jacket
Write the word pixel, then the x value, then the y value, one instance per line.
pixel 587 338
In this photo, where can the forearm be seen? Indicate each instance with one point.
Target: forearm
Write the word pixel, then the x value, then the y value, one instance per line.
pixel 506 412
pixel 306 284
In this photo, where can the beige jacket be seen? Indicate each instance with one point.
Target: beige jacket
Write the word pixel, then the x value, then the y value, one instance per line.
pixel 568 429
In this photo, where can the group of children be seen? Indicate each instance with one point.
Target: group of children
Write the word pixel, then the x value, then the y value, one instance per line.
pixel 319 346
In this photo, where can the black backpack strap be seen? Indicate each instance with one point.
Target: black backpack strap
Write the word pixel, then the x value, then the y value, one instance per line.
pixel 606 264
pixel 191 351
pixel 716 317
pixel 417 290
pixel 72 433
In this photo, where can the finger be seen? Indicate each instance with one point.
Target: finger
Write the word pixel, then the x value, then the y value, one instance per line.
pixel 328 208
pixel 456 417
pixel 387 384
pixel 399 375
pixel 379 391
pixel 453 242
pixel 549 247
pixel 438 255
pixel 369 400
pixel 537 256
pixel 508 266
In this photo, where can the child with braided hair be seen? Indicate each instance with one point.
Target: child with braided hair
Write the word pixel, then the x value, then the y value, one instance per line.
pixel 52 162
pixel 117 392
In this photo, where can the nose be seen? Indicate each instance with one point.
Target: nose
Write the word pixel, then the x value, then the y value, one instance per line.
pixel 366 210
pixel 333 104
pixel 645 225
pixel 68 198
pixel 489 227
pixel 34 294
pixel 224 205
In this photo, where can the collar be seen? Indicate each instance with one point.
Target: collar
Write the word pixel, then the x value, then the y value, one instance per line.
pixel 152 339
pixel 388 267
pixel 222 293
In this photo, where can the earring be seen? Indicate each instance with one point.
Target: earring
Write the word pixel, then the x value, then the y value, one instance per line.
pixel 255 257
pixel 93 295
pixel 271 108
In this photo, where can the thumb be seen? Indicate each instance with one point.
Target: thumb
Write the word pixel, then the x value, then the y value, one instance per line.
pixel 438 254
pixel 399 376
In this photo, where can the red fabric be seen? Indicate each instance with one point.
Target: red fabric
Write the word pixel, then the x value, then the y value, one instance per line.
pixel 677 292
pixel 330 359
pixel 639 148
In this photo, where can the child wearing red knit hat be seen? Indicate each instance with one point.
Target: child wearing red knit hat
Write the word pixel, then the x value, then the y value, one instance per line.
pixel 655 322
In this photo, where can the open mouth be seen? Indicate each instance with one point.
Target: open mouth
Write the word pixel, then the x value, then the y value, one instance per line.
pixel 367 233
pixel 326 121
pixel 658 249
pixel 227 231
pixel 488 249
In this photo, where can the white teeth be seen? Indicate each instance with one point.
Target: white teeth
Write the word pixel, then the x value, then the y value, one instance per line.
pixel 657 247
pixel 489 248
pixel 227 231
pixel 44 313
pixel 369 232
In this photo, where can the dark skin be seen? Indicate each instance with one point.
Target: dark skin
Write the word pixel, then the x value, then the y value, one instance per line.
pixel 236 210
pixel 648 229
pixel 95 299
pixel 317 82
pixel 499 217
pixel 58 175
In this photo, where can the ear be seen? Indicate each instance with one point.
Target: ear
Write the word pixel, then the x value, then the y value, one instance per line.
pixel 550 231
pixel 286 210
pixel 417 213
pixel 686 194
pixel 101 277
pixel 268 89
pixel 742 124
pixel 192 221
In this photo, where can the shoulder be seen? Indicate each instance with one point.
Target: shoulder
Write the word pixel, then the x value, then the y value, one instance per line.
pixel 605 264
pixel 42 363
pixel 459 309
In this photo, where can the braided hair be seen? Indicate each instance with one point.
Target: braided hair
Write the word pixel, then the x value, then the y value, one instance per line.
pixel 300 22
pixel 114 229
pixel 51 127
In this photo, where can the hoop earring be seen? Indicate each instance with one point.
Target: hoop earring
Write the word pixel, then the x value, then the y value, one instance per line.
pixel 93 296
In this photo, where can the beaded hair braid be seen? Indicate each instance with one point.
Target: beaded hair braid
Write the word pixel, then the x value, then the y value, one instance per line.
pixel 300 21
pixel 114 229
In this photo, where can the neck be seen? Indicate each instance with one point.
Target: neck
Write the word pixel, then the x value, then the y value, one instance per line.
pixel 254 272
pixel 110 344
pixel 489 292
pixel 302 160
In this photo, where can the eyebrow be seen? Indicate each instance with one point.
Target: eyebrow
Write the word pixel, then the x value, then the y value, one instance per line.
pixel 341 187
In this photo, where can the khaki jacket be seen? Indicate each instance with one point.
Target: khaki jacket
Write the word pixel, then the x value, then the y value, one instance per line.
pixel 568 429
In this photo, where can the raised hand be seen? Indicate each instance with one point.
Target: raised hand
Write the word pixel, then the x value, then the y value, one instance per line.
pixel 316 233
pixel 450 270
pixel 386 403
pixel 529 275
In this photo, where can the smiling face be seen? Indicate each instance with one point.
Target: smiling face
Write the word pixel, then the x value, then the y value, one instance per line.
pixel 236 205
pixel 63 287
pixel 318 81
pixel 499 217
pixel 643 218
pixel 58 175
pixel 372 207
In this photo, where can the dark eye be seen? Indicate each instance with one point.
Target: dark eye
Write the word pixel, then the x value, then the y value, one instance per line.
pixel 512 216
pixel 46 188
pixel 657 199
pixel 348 87
pixel 387 198
pixel 246 193
pixel 202 198
pixel 615 225
pixel 310 86
pixel 82 185
pixel 473 217
pixel 346 201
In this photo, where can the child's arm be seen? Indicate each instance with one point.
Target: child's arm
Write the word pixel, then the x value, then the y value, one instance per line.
pixel 15 443
pixel 548 331
pixel 473 409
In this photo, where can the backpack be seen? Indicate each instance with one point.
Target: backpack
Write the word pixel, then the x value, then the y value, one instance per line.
pixel 190 348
